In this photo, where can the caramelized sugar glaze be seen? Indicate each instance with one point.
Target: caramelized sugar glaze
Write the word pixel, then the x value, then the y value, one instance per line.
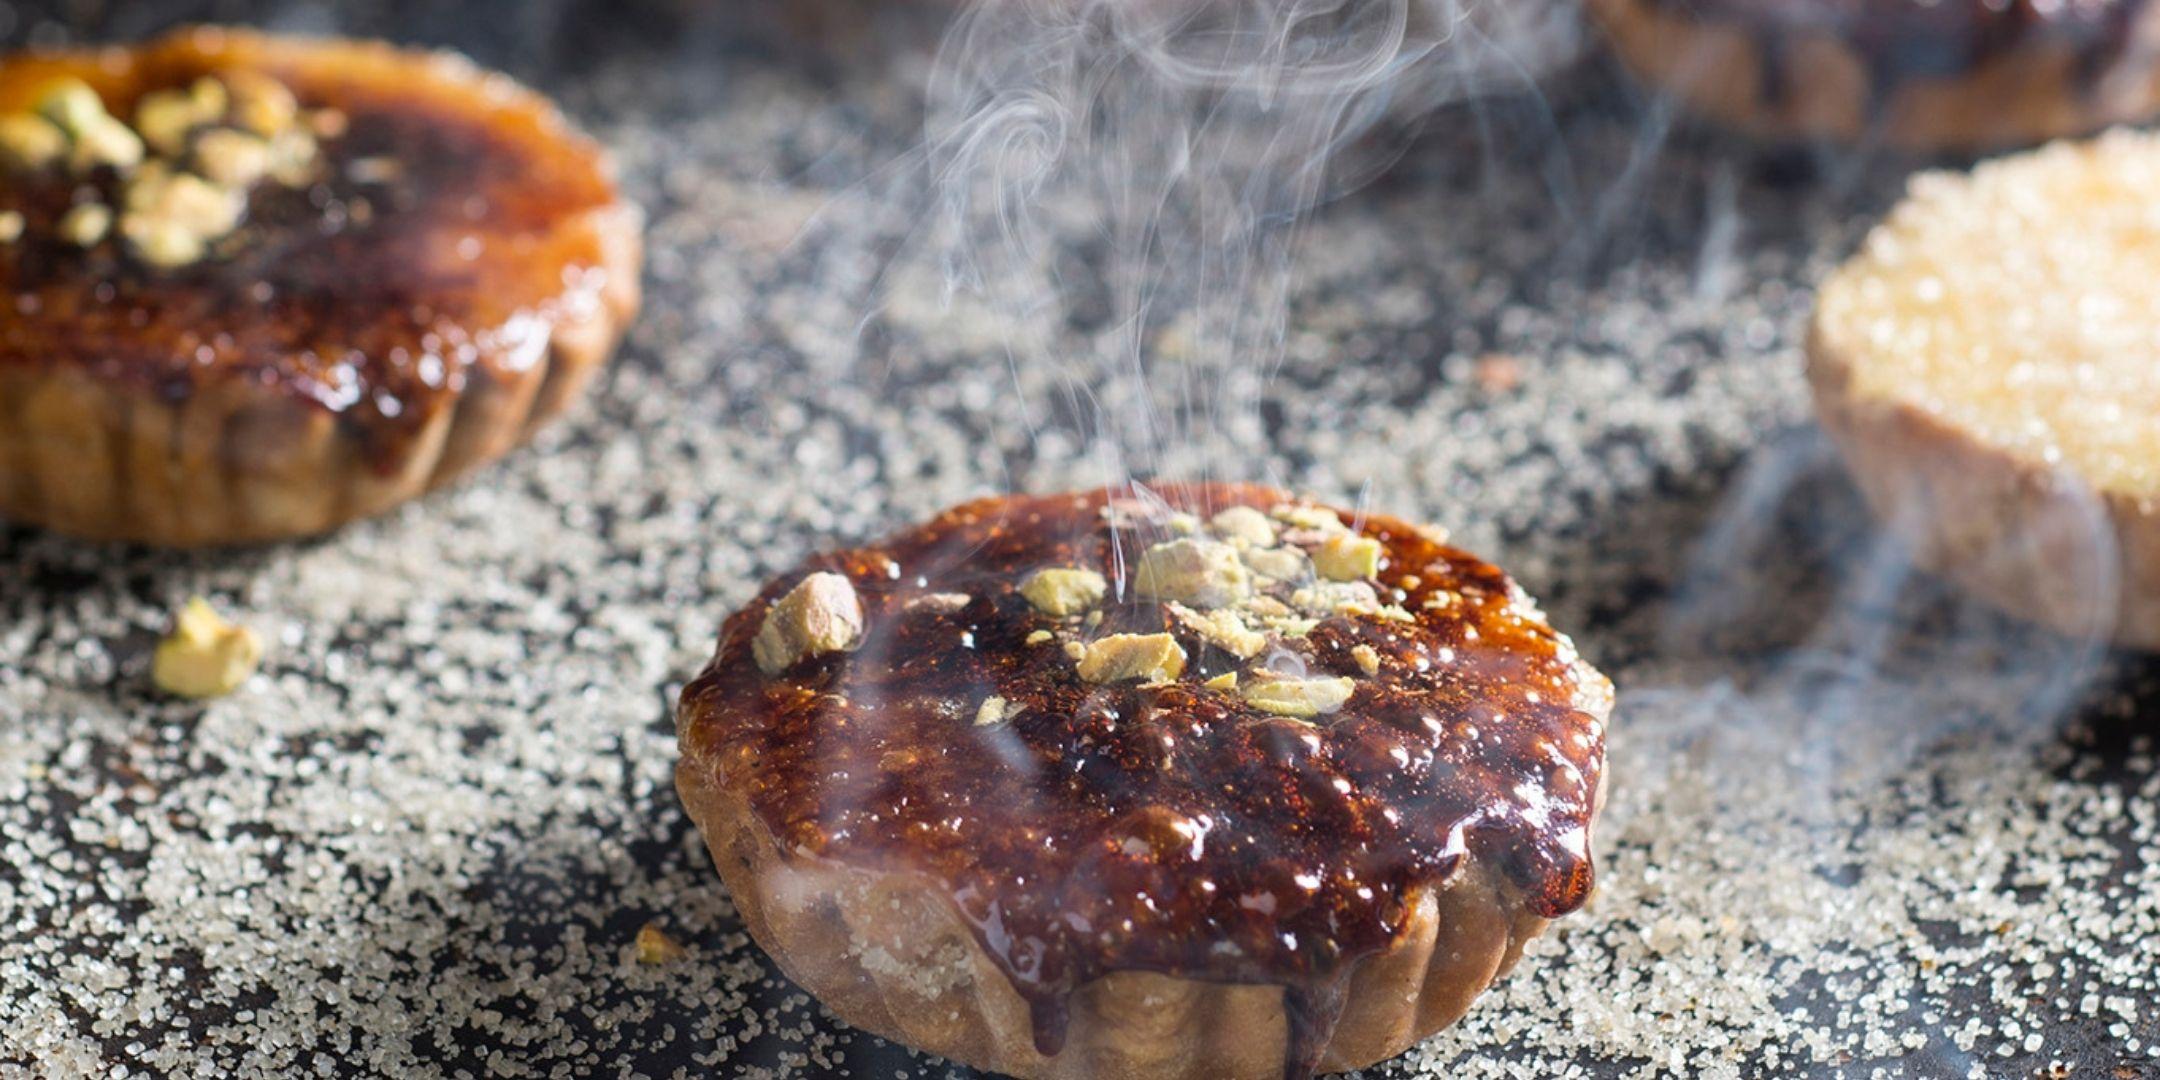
pixel 431 244
pixel 1168 826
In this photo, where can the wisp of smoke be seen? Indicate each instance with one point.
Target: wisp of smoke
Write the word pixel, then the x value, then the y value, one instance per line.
pixel 1135 176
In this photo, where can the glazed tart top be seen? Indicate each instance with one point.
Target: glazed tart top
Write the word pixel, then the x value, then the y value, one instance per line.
pixel 1218 733
pixel 346 223
pixel 1904 39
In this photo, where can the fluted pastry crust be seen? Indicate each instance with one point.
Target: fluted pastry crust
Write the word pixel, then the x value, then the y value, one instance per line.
pixel 192 408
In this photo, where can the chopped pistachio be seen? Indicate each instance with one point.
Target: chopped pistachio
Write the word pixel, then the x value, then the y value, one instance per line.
pixel 944 603
pixel 1062 591
pixel 86 224
pixel 31 142
pixel 993 710
pixel 292 157
pixel 1244 524
pixel 260 103
pixel 233 158
pixel 204 656
pixel 1393 613
pixel 1278 564
pixel 1334 597
pixel 820 615
pixel 166 117
pixel 1222 629
pixel 1225 681
pixel 1267 607
pixel 1199 573
pixel 1367 657
pixel 1347 557
pixel 1039 636
pixel 1292 627
pixel 655 947
pixel 162 243
pixel 1075 650
pixel 72 104
pixel 11 226
pixel 1298 698
pixel 1118 657
pixel 107 142
pixel 1299 516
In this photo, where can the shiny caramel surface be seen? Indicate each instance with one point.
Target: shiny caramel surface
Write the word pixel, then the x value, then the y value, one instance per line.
pixel 442 233
pixel 1168 826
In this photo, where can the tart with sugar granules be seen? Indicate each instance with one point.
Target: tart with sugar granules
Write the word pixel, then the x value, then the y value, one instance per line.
pixel 261 286
pixel 1214 784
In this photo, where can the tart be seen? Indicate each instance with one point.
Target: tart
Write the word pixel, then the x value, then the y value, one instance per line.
pixel 1212 784
pixel 263 286
pixel 1987 364
pixel 1919 74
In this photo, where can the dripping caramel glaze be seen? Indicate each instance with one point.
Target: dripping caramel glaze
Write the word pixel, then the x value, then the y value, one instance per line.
pixel 373 293
pixel 1168 828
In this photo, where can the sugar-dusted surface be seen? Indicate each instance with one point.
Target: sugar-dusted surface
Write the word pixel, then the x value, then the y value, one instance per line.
pixel 2015 305
pixel 424 839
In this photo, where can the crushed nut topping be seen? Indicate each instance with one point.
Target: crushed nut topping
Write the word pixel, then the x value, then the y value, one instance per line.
pixel 1308 517
pixel 1063 591
pixel 1225 681
pixel 1347 557
pixel 205 656
pixel 1222 628
pixel 1367 657
pixel 1278 564
pixel 1299 698
pixel 1199 573
pixel 1037 637
pixel 819 615
pixel 1243 524
pixel 31 142
pixel 1120 657
pixel 944 603
pixel 993 710
pixel 655 947
pixel 233 130
pixel 86 224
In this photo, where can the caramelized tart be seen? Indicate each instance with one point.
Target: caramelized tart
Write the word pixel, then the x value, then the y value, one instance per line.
pixel 259 287
pixel 1214 784
pixel 1919 74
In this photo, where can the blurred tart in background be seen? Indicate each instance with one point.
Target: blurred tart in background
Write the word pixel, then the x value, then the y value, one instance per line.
pixel 1217 784
pixel 259 287
pixel 1990 365
pixel 1917 74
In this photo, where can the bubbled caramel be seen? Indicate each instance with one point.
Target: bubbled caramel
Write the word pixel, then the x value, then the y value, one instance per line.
pixel 1180 820
pixel 423 243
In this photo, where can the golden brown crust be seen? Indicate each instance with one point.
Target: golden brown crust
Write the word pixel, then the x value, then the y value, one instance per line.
pixel 247 447
pixel 886 953
pixel 1791 83
pixel 2015 532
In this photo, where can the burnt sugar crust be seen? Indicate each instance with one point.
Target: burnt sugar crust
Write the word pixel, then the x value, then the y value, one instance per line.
pixel 440 270
pixel 1210 783
pixel 1918 74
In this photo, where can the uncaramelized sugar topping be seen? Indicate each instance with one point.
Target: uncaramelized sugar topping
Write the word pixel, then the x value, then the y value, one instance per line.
pixel 2016 304
pixel 1120 745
